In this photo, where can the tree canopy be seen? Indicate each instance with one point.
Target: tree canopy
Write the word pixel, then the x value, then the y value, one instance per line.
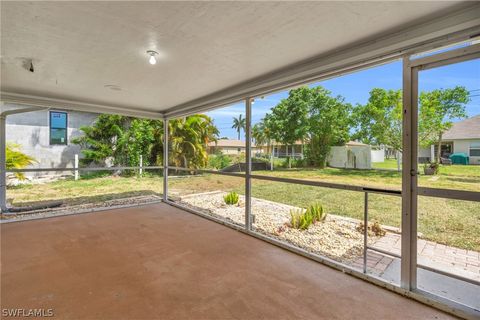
pixel 188 140
pixel 123 139
pixel 239 124
pixel 437 110
pixel 311 115
pixel 379 122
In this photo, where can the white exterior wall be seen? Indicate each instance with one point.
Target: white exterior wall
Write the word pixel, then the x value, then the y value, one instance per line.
pixel 339 157
pixel 231 150
pixel 32 132
pixel 234 150
pixel 424 152
pixel 464 147
pixel 378 155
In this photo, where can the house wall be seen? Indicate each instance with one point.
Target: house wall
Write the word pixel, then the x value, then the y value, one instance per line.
pixel 424 152
pixel 32 132
pixel 293 151
pixel 378 155
pixel 234 150
pixel 359 157
pixel 464 147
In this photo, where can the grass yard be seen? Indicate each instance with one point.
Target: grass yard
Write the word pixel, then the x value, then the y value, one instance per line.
pixel 96 189
pixel 390 164
pixel 452 222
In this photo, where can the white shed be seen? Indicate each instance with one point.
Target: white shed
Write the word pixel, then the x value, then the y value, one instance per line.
pixel 353 155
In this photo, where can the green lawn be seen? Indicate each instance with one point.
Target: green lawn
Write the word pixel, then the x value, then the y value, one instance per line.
pixel 455 170
pixel 451 222
pixel 390 164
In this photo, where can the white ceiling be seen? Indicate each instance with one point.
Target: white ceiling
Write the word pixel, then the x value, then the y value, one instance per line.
pixel 78 48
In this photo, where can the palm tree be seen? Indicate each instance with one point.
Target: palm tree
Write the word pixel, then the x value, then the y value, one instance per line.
pixel 189 138
pixel 261 135
pixel 239 124
pixel 15 159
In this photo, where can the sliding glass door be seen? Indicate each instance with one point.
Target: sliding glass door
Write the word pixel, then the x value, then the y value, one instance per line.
pixel 442 180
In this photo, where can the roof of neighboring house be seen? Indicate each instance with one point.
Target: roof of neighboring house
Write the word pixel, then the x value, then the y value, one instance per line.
pixel 466 129
pixel 228 143
pixel 225 143
pixel 355 143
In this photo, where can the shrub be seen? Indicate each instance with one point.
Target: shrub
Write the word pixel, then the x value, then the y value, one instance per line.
pixel 299 163
pixel 377 229
pixel 303 218
pixel 219 161
pixel 317 213
pixel 280 163
pixel 231 198
pixel 431 168
pixel 15 159
pixel 373 229
pixel 299 219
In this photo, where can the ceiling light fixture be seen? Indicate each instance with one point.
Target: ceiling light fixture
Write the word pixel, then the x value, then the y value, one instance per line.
pixel 152 54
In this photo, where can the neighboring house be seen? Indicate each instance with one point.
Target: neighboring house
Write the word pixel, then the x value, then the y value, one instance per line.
pixel 230 147
pixel 351 155
pixel 282 151
pixel 236 147
pixel 463 137
pixel 47 136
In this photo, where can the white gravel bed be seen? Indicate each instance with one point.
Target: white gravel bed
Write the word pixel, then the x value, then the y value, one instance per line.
pixel 336 237
pixel 76 209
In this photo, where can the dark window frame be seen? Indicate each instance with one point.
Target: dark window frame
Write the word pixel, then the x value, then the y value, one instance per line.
pixel 50 128
pixel 476 150
pixel 475 147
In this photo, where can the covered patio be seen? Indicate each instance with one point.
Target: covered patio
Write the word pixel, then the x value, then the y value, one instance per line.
pixel 160 261
pixel 192 254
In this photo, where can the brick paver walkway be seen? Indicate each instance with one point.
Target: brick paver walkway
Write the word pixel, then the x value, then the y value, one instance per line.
pixel 462 262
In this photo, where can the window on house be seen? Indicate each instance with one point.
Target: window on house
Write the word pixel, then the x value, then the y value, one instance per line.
pixel 58 127
pixel 475 149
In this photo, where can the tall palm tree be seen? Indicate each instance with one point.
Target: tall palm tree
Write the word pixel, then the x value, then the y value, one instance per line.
pixel 239 124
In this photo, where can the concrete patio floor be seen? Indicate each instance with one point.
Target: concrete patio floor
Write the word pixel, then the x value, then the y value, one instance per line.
pixel 157 261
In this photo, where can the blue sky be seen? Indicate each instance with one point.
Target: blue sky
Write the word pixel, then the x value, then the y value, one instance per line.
pixel 355 89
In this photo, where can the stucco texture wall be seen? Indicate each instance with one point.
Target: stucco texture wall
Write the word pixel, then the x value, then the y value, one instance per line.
pixel 464 147
pixel 32 132
pixel 353 157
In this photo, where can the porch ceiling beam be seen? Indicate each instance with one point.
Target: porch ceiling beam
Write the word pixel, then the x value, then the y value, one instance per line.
pixel 30 100
pixel 458 26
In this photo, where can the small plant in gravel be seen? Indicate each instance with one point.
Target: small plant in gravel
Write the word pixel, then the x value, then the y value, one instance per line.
pixel 373 229
pixel 317 213
pixel 299 219
pixel 377 229
pixel 231 198
pixel 303 218
pixel 281 229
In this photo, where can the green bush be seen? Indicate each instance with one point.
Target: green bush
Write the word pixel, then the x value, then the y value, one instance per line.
pixel 15 159
pixel 231 198
pixel 219 161
pixel 298 163
pixel 299 219
pixel 280 163
pixel 302 219
pixel 294 163
pixel 317 213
